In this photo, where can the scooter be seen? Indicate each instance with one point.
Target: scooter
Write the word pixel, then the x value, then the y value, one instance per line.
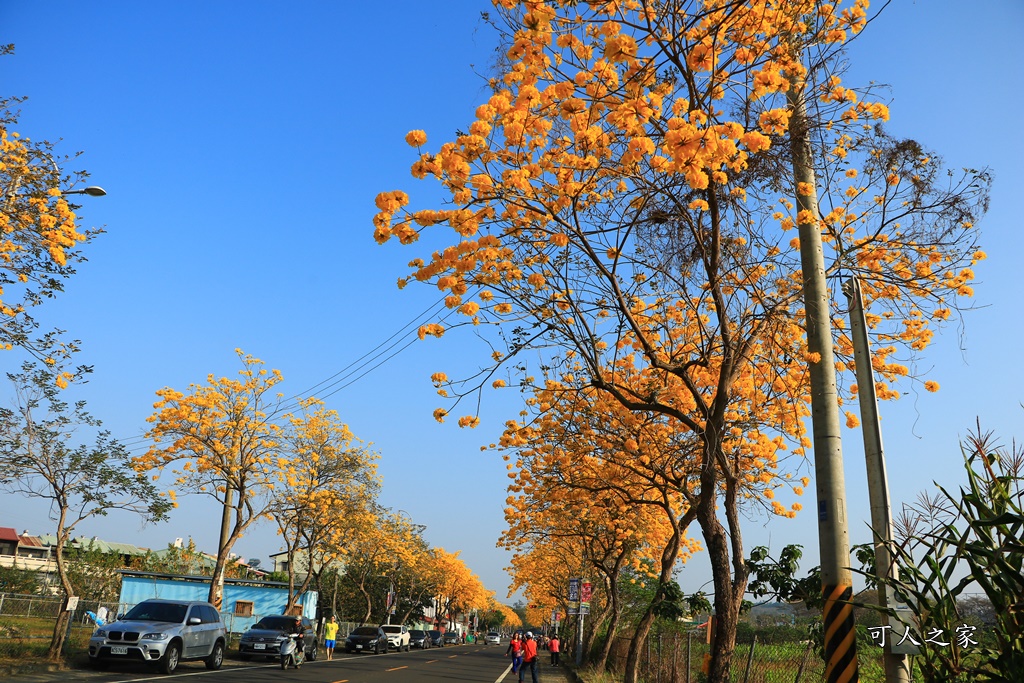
pixel 293 651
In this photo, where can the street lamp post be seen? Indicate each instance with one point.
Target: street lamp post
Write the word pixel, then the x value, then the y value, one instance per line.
pixel 92 191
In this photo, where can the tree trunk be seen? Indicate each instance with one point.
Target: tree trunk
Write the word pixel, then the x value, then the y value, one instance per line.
pixel 611 580
pixel 636 644
pixel 216 597
pixel 369 603
pixel 726 613
pixel 613 626
pixel 334 593
pixel 60 628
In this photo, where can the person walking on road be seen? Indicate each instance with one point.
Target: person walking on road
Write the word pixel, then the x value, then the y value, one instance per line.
pixel 330 633
pixel 529 657
pixel 515 648
pixel 553 647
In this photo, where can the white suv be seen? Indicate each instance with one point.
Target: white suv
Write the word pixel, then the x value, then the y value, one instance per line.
pixel 398 636
pixel 162 632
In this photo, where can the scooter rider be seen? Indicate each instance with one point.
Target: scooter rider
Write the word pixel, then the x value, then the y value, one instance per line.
pixel 300 645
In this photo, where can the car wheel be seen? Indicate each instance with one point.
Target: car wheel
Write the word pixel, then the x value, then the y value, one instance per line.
pixel 216 657
pixel 312 653
pixel 168 664
pixel 408 647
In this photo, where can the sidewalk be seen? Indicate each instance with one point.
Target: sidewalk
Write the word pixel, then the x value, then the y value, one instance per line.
pixel 79 671
pixel 546 674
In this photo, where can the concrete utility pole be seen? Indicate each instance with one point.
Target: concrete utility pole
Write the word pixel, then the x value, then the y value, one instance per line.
pixel 833 535
pixel 896 665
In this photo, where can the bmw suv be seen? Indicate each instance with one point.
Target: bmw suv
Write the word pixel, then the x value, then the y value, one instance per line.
pixel 164 633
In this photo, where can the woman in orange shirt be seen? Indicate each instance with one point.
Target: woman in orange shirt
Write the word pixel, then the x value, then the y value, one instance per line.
pixel 529 657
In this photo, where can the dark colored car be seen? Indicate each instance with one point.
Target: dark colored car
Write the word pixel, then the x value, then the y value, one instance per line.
pixel 420 639
pixel 452 638
pixel 367 639
pixel 265 637
pixel 436 638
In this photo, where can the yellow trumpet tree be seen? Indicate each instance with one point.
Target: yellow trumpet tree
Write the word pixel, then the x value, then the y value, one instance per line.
pixel 386 545
pixel 327 481
pixel 618 483
pixel 223 441
pixel 499 615
pixel 459 590
pixel 625 195
pixel 39 238
pixel 416 582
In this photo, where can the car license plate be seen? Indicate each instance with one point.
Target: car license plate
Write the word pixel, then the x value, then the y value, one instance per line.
pixel 359 647
pixel 259 646
pixel 118 649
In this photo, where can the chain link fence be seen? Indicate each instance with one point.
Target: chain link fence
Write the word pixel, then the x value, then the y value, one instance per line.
pixel 27 623
pixel 681 657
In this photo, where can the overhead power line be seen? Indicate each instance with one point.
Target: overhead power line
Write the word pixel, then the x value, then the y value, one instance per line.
pixel 351 373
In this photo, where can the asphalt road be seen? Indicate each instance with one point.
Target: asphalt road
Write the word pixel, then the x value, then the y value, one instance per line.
pixel 467 663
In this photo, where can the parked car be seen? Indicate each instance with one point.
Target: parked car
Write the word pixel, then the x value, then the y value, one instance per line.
pixel 398 636
pixel 367 639
pixel 267 635
pixel 164 633
pixel 492 638
pixel 452 638
pixel 420 639
pixel 436 638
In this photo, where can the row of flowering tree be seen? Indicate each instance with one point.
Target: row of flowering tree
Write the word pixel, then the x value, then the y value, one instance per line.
pixel 228 439
pixel 635 209
pixel 232 440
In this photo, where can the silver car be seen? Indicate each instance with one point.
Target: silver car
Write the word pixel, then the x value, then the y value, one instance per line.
pixel 164 633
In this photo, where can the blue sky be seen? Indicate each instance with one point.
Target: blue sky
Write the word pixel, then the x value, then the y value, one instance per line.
pixel 242 147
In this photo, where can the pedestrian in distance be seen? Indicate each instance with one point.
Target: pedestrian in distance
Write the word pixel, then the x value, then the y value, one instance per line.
pixel 330 634
pixel 553 646
pixel 529 657
pixel 515 648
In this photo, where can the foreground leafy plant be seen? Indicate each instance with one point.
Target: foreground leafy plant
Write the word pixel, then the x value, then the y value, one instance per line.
pixel 980 530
